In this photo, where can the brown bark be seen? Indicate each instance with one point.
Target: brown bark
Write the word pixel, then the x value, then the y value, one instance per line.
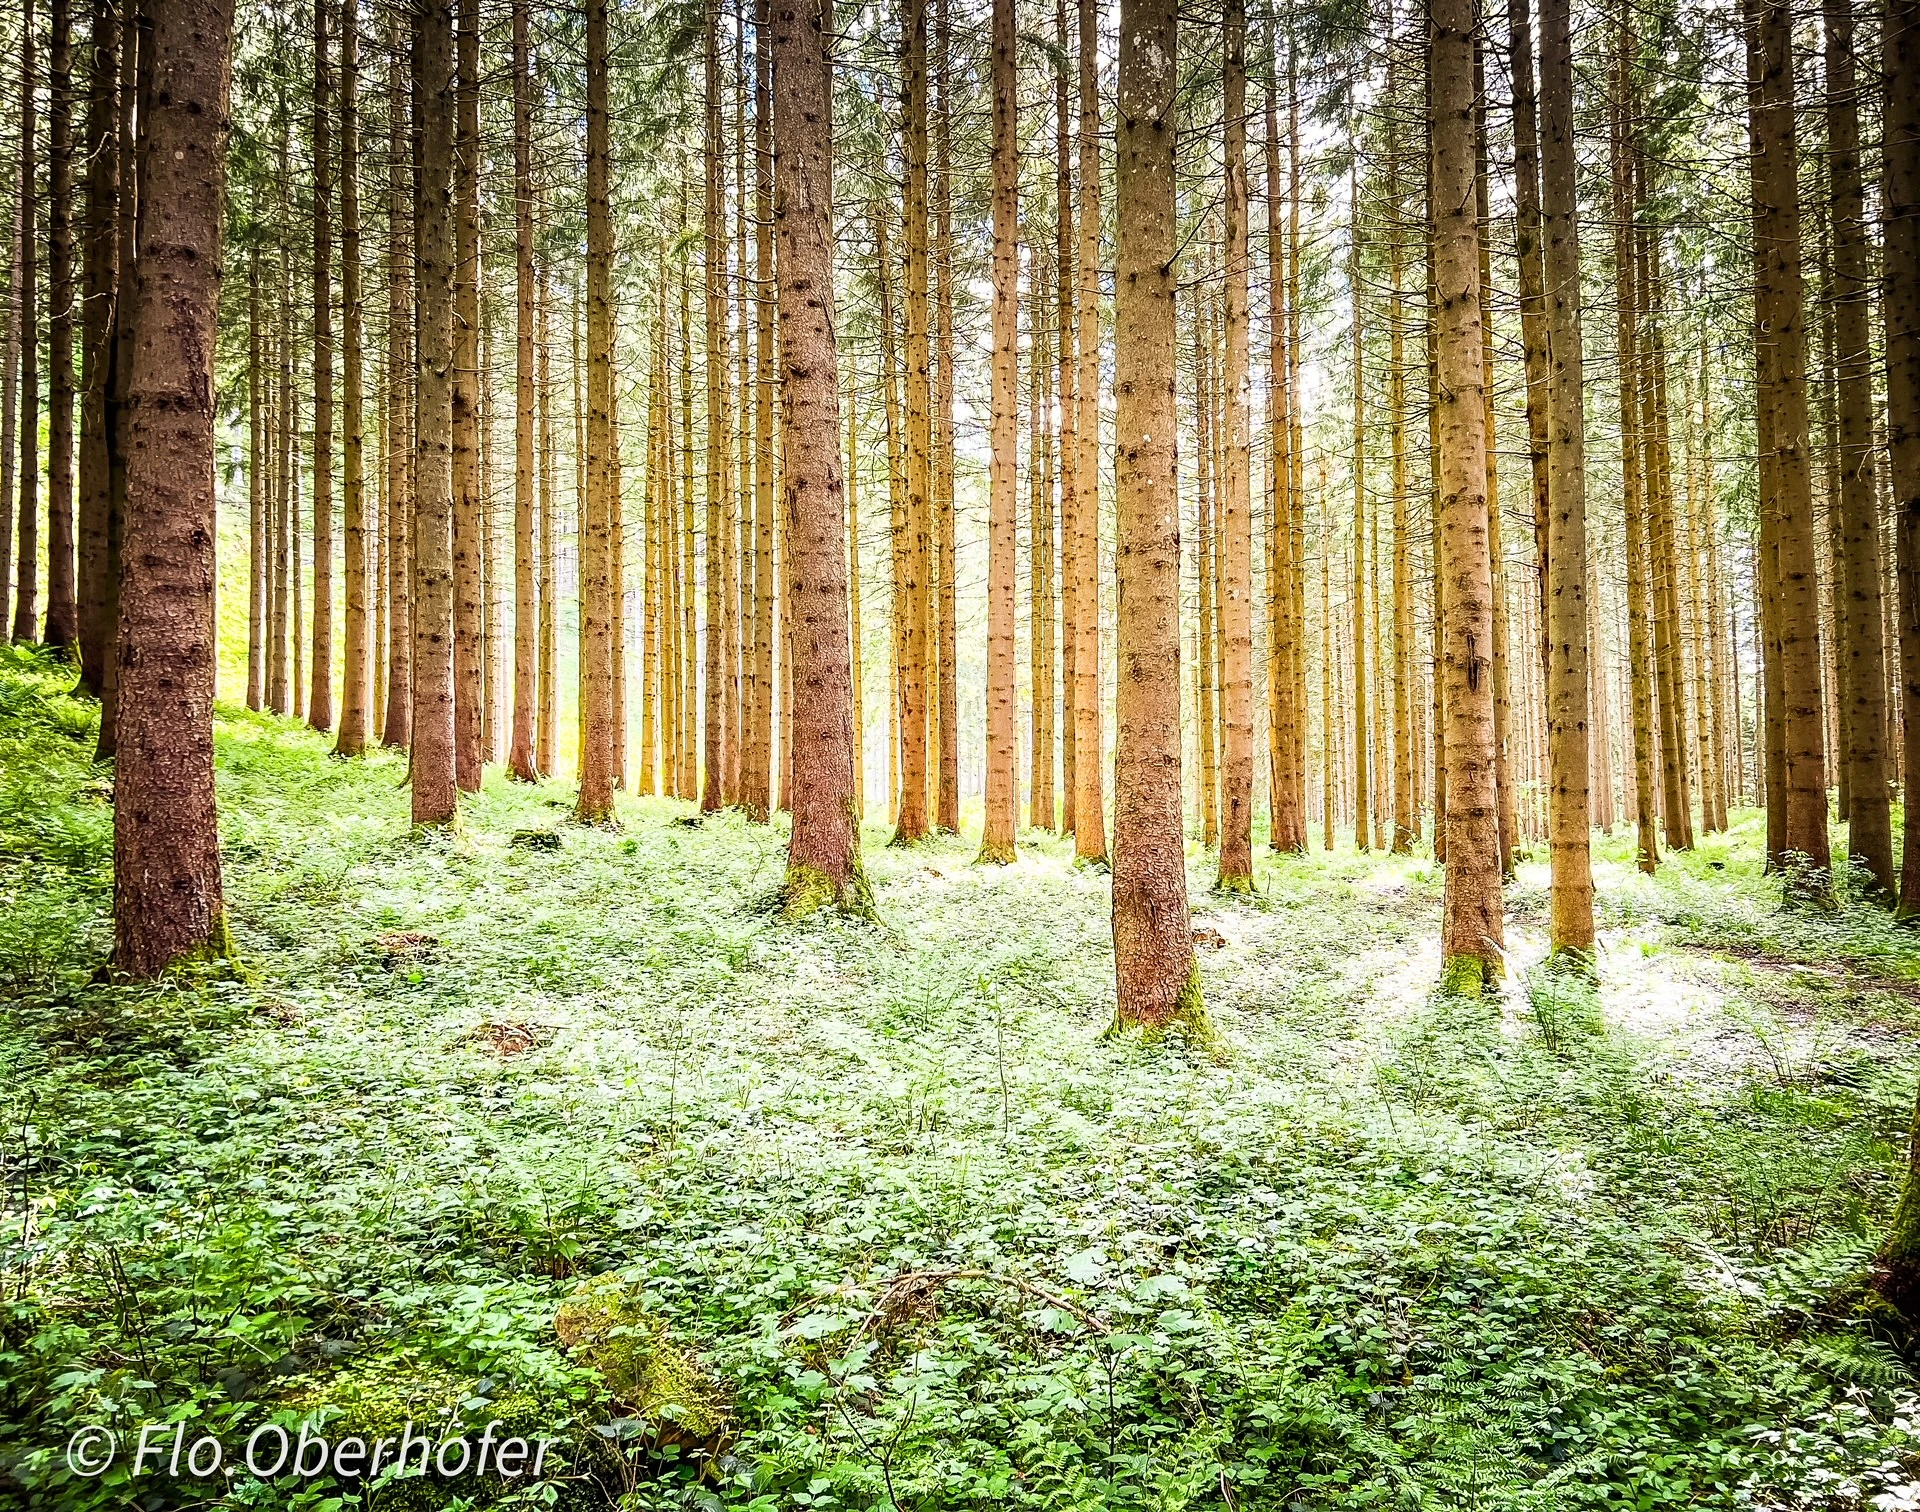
pixel 597 604
pixel 355 680
pixel 757 771
pixel 102 292
pixel 469 613
pixel 526 650
pixel 258 568
pixel 168 902
pixel 1358 605
pixel 1472 929
pixel 435 790
pixel 1002 774
pixel 1158 979
pixel 398 725
pixel 1236 502
pixel 913 820
pixel 1089 803
pixel 1287 713
pixel 1564 569
pixel 945 649
pixel 823 860
pixel 547 730
pixel 62 627
pixel 1205 552
pixel 25 562
pixel 1405 817
pixel 320 695
pixel 1779 297
pixel 1900 42
pixel 1066 245
pixel 714 794
pixel 1503 760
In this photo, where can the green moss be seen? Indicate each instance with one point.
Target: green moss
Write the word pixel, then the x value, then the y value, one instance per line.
pixel 605 1325
pixel 1240 886
pixel 807 890
pixel 1574 962
pixel 1189 1019
pixel 1466 976
pixel 996 855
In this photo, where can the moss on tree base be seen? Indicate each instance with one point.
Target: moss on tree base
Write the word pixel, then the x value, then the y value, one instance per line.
pixel 996 855
pixel 1240 886
pixel 807 890
pixel 1468 976
pixel 1188 1018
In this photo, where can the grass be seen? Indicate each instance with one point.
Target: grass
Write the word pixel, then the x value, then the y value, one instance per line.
pixel 1372 1247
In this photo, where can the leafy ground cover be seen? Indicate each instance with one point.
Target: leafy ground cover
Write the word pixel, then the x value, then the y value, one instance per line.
pixel 566 1126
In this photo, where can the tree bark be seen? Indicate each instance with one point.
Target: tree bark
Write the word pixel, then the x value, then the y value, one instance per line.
pixel 398 730
pixel 823 860
pixel 1236 503
pixel 62 627
pixel 1563 545
pixel 168 903
pixel 1472 929
pixel 469 614
pixel 597 774
pixel 1002 774
pixel 435 790
pixel 1089 802
pixel 102 292
pixel 1900 42
pixel 320 694
pixel 913 820
pixel 355 684
pixel 25 561
pixel 1158 978
pixel 526 649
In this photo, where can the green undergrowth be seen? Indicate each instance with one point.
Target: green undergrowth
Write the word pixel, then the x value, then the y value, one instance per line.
pixel 891 1220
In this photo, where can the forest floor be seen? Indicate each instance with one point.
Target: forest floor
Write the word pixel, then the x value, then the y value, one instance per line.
pixel 1375 1248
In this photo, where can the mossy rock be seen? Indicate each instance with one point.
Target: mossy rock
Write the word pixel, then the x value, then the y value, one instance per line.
pixel 650 1376
pixel 378 1397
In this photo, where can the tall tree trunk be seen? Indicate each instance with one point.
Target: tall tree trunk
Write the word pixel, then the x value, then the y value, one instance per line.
pixel 1863 654
pixel 1901 48
pixel 1158 978
pixel 10 366
pixel 435 790
pixel 1236 502
pixel 1472 931
pixel 136 76
pixel 596 543
pixel 757 769
pixel 1040 612
pixel 913 821
pixel 168 903
pixel 1359 604
pixel 547 729
pixel 823 861
pixel 1205 555
pixel 26 561
pixel 1405 814
pixel 102 291
pixel 63 618
pixel 1089 801
pixel 1779 298
pixel 355 687
pixel 1003 758
pixel 469 615
pixel 259 570
pixel 1562 545
pixel 1066 249
pixel 714 794
pixel 398 728
pixel 1286 713
pixel 526 648
pixel 320 696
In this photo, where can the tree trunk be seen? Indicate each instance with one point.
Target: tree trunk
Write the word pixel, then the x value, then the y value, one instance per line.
pixel 259 570
pixel 1089 802
pixel 1236 503
pixel 435 791
pixel 1003 761
pixel 63 619
pixel 757 770
pixel 823 861
pixel 1042 650
pixel 320 695
pixel 1901 46
pixel 102 294
pixel 1779 298
pixel 526 650
pixel 1569 648
pixel 398 730
pixel 354 689
pixel 1863 676
pixel 469 615
pixel 26 561
pixel 168 902
pixel 1287 713
pixel 1405 817
pixel 1158 978
pixel 1358 606
pixel 1204 556
pixel 913 821
pixel 547 730
pixel 1472 932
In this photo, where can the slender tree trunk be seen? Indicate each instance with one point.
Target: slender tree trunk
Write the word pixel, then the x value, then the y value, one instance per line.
pixel 900 610
pixel 1901 51
pixel 469 614
pixel 1158 978
pixel 1780 303
pixel 398 726
pixel 1562 545
pixel 320 695
pixel 1205 554
pixel 354 689
pixel 1089 802
pixel 597 606
pixel 1236 504
pixel 63 618
pixel 1472 931
pixel 526 650
pixel 1863 677
pixel 1066 247
pixel 1287 715
pixel 823 861
pixel 1405 817
pixel 1358 606
pixel 258 568
pixel 945 652
pixel 913 822
pixel 168 903
pixel 10 374
pixel 1003 759
pixel 435 790
pixel 136 76
pixel 1040 603
pixel 102 292
pixel 26 561
pixel 547 731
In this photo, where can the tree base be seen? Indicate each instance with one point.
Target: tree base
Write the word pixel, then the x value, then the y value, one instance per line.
pixel 1188 1016
pixel 807 890
pixel 1239 886
pixel 1467 976
pixel 1581 963
pixel 996 855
